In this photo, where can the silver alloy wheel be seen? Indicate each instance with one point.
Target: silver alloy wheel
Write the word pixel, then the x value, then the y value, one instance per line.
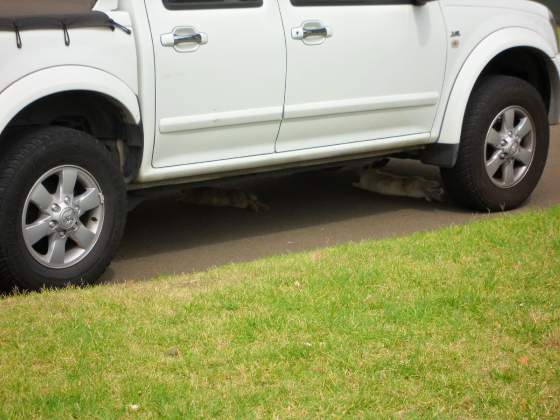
pixel 509 149
pixel 63 217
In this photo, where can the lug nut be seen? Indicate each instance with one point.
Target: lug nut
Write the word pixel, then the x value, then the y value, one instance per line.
pixel 67 200
pixel 503 156
pixel 62 235
pixel 52 225
pixel 55 208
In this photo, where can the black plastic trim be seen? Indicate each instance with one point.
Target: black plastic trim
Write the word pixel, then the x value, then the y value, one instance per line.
pixel 64 22
pixel 311 3
pixel 212 4
pixel 83 20
pixel 135 150
pixel 442 155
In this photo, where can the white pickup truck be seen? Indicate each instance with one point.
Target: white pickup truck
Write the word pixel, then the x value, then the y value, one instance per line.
pixel 105 100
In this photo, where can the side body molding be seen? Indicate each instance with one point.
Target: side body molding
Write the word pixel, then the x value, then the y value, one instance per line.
pixel 53 80
pixel 477 61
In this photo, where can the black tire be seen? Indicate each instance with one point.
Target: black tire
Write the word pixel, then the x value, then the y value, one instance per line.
pixel 31 156
pixel 468 183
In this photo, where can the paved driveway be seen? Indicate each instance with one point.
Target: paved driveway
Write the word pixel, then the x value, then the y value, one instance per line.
pixel 308 211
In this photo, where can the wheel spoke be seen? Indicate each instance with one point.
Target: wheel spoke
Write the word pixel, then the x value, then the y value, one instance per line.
pixel 56 220
pixel 83 237
pixel 41 197
pixel 494 164
pixel 35 232
pixel 88 200
pixel 494 138
pixel 524 156
pixel 509 147
pixel 523 128
pixel 67 182
pixel 57 251
pixel 509 173
pixel 509 120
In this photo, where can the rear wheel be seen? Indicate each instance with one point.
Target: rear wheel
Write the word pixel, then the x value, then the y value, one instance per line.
pixel 62 212
pixel 504 146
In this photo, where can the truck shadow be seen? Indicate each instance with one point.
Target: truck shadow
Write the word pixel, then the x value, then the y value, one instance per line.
pixel 309 210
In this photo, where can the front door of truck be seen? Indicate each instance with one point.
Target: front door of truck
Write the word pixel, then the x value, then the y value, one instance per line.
pixel 220 79
pixel 361 70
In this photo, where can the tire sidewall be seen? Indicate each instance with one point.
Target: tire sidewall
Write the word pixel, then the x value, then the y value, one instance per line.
pixel 512 92
pixel 71 148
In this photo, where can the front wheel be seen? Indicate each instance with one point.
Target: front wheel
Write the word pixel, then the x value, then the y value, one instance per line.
pixel 504 146
pixel 62 210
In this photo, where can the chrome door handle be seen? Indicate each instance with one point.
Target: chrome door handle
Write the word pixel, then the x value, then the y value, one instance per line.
pixel 198 38
pixel 312 32
pixel 324 32
pixel 184 39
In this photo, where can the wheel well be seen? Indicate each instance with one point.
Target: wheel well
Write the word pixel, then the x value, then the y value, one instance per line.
pixel 525 63
pixel 92 113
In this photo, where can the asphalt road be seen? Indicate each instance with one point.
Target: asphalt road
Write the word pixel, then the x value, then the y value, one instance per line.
pixel 308 211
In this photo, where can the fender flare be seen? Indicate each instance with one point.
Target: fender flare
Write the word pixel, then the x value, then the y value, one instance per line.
pixel 43 83
pixel 496 43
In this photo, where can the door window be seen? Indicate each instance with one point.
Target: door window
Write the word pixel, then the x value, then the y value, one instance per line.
pixel 210 4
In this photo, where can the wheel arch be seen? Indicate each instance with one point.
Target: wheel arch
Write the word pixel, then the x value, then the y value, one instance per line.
pixel 79 97
pixel 478 64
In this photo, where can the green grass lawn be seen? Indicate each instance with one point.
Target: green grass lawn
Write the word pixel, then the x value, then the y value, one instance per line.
pixel 461 323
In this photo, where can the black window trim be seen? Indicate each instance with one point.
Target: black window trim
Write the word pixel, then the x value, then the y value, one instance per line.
pixel 311 3
pixel 212 4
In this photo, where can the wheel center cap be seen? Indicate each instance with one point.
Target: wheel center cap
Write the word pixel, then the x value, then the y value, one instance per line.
pixel 512 146
pixel 68 218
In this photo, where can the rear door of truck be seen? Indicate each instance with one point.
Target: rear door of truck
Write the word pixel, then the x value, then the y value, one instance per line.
pixel 220 79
